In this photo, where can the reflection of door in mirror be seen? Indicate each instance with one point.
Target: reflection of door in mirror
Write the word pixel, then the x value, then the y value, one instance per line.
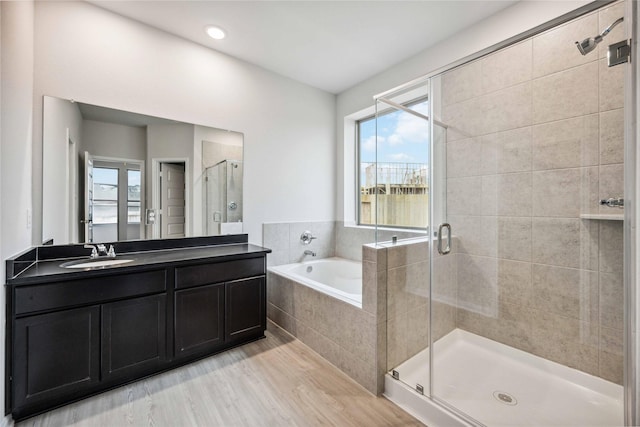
pixel 113 202
pixel 172 200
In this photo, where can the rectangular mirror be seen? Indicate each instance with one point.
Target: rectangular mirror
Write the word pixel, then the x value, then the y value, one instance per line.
pixel 112 175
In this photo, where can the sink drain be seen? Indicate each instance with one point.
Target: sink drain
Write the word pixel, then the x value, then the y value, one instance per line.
pixel 505 398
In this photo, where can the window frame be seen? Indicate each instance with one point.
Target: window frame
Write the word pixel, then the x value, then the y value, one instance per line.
pixel 358 172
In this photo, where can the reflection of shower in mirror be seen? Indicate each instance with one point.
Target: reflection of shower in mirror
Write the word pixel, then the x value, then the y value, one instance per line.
pixel 223 202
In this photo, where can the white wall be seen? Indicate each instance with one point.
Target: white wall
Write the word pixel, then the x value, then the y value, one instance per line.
pixel 509 22
pixel 62 122
pixel 114 140
pixel 16 114
pixel 85 53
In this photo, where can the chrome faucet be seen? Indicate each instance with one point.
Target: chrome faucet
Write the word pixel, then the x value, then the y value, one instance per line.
pixel 94 251
pixel 307 237
pixel 308 252
pixel 97 250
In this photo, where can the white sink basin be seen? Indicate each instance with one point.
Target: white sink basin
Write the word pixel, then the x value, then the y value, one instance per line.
pixel 95 263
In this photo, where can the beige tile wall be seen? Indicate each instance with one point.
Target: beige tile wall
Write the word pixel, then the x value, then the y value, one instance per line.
pixel 405 266
pixel 535 140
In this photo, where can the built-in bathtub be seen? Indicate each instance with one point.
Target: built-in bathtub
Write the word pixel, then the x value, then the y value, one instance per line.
pixel 337 277
pixel 320 302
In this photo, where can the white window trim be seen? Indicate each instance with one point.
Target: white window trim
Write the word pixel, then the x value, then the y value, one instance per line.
pixel 350 187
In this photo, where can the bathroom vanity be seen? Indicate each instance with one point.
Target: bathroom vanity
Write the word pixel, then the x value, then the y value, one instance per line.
pixel 75 332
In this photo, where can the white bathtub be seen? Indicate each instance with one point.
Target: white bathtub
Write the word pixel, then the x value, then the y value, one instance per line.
pixel 338 277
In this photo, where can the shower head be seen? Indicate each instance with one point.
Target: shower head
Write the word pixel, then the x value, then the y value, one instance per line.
pixel 589 44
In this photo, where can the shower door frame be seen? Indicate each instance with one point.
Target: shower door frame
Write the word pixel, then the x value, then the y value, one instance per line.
pixel 631 379
pixel 630 226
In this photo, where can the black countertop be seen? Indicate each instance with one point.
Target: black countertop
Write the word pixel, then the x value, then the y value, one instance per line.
pixel 49 269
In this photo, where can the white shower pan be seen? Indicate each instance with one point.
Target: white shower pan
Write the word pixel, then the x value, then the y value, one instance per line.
pixel 498 385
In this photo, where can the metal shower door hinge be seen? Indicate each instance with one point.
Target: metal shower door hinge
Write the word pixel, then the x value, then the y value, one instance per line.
pixel 419 389
pixel 619 53
pixel 395 374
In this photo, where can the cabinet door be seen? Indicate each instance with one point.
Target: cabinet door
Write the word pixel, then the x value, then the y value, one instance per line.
pixel 56 356
pixel 134 336
pixel 246 315
pixel 199 320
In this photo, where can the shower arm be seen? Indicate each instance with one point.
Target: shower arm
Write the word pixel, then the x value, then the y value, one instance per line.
pixel 610 27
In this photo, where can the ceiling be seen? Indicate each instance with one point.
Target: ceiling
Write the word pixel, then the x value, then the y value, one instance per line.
pixel 331 45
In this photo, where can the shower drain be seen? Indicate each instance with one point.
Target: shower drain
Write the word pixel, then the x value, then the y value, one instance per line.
pixel 505 398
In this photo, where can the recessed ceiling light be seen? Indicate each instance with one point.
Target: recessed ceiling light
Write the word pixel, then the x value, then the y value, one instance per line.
pixel 214 32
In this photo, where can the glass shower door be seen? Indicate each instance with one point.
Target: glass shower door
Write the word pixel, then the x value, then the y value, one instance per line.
pixel 527 309
pixel 395 187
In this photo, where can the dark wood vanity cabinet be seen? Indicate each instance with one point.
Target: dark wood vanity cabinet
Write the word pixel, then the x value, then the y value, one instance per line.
pixel 210 315
pixel 199 322
pixel 134 337
pixel 56 356
pixel 245 308
pixel 74 338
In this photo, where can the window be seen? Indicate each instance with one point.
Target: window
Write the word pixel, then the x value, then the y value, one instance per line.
pixel 393 189
pixel 114 201
pixel 133 197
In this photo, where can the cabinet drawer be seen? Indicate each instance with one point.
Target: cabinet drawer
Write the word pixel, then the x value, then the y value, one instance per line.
pixel 204 274
pixel 88 291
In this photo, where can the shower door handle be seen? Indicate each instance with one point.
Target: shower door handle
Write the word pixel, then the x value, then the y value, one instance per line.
pixel 447 249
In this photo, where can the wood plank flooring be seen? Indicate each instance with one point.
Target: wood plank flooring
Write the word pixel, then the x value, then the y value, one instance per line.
pixel 277 381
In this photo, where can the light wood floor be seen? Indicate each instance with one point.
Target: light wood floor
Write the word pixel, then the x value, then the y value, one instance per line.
pixel 277 381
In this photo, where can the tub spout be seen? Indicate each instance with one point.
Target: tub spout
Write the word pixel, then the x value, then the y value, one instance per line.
pixel 308 252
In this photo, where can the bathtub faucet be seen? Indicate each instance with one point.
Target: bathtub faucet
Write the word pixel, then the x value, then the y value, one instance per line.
pixel 308 252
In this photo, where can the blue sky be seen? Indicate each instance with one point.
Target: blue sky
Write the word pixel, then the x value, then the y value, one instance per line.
pixel 105 176
pixel 402 137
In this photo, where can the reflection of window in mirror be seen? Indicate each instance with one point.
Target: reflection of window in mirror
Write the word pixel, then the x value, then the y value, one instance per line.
pixel 115 200
pixel 134 210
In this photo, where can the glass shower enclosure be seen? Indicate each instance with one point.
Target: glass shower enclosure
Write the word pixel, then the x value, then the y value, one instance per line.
pixel 223 198
pixel 509 309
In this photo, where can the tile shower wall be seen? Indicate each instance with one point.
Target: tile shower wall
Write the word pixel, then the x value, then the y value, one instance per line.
pixel 405 267
pixel 535 139
pixel 349 240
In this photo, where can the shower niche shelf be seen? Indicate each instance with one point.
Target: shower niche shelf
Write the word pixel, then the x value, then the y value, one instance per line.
pixel 603 217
